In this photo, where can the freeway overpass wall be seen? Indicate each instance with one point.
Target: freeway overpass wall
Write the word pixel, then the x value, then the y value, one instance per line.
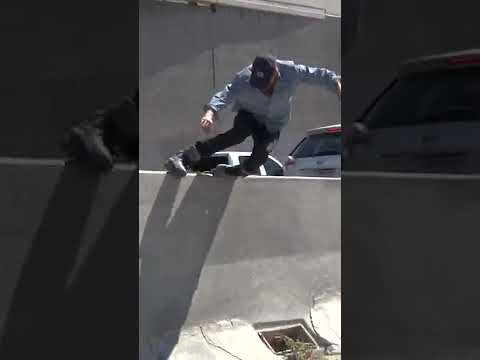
pixel 187 53
pixel 60 66
pixel 258 248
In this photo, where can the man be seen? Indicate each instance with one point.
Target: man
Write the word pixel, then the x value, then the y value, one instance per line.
pixel 113 132
pixel 262 96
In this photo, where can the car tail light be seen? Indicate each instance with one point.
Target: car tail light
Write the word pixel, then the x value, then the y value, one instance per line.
pixel 465 60
pixel 290 161
pixel 334 130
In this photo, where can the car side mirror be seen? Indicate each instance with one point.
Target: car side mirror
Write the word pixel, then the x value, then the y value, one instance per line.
pixel 359 134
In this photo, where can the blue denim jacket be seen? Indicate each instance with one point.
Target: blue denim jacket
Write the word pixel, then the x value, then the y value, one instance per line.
pixel 272 111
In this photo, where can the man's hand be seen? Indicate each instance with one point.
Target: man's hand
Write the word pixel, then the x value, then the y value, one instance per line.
pixel 339 88
pixel 207 120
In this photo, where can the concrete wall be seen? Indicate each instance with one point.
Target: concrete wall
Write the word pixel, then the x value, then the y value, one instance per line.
pixel 410 266
pixel 188 53
pixel 258 249
pixel 380 34
pixel 68 263
pixel 60 65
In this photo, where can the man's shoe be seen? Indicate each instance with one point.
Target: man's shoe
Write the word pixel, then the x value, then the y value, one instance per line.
pixel 191 154
pixel 228 170
pixel 175 166
pixel 220 170
pixel 85 142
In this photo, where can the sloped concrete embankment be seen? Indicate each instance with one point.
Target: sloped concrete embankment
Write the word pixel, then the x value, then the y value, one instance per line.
pixel 257 249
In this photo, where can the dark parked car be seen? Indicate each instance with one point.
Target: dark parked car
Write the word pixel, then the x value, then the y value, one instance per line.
pixel 426 121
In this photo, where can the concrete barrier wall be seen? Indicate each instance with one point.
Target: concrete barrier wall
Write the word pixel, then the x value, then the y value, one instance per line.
pixel 67 259
pixel 59 66
pixel 256 248
pixel 379 35
pixel 187 53
pixel 410 265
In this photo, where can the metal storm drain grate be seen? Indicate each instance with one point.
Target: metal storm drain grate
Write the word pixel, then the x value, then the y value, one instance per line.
pixel 279 339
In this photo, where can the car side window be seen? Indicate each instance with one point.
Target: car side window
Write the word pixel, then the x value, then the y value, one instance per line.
pixel 319 145
pixel 429 97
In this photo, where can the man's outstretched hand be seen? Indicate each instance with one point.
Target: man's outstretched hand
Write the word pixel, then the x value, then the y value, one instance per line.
pixel 206 122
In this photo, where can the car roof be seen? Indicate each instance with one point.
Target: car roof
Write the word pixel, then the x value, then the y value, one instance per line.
pixel 450 60
pixel 323 129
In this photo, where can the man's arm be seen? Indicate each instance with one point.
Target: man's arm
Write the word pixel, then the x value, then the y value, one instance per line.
pixel 223 98
pixel 218 102
pixel 319 76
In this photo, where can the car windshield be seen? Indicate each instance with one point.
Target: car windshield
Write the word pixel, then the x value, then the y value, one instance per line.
pixel 440 96
pixel 319 145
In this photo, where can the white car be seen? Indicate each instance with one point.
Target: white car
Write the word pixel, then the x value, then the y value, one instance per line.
pixel 318 154
pixel 272 166
pixel 426 121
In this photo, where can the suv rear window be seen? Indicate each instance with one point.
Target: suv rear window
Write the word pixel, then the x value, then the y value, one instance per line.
pixel 440 96
pixel 319 145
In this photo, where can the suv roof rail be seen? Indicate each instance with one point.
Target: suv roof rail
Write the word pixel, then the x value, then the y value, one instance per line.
pixel 456 59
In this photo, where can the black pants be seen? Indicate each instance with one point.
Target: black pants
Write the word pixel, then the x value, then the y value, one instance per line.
pixel 244 125
pixel 119 124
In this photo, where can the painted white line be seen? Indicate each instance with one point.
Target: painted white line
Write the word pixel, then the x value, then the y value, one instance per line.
pixel 393 175
pixel 125 166
pixel 31 161
pixel 283 178
pixel 53 162
pixel 161 172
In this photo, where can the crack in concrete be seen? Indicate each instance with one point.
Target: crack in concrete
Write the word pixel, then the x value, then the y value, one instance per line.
pixel 211 343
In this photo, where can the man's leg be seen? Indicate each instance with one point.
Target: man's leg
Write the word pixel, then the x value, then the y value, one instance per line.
pixel 263 144
pixel 243 126
pixel 121 128
pixel 85 142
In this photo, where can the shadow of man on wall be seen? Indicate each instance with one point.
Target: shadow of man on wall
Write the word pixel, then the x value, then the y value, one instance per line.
pixel 33 321
pixel 102 299
pixel 173 253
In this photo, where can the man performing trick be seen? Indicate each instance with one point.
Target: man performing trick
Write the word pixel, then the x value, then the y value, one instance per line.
pixel 261 95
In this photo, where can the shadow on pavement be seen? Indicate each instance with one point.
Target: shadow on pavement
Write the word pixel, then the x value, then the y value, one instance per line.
pixel 173 253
